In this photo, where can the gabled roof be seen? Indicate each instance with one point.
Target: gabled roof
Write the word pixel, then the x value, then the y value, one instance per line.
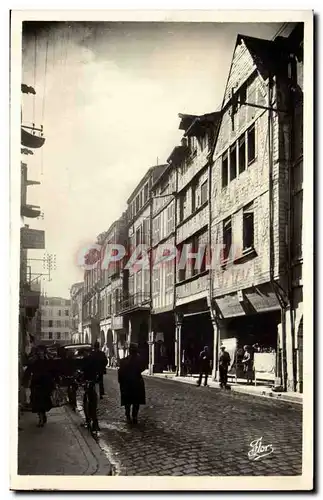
pixel 266 54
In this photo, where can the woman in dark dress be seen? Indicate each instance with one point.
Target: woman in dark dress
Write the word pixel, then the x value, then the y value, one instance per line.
pixel 132 386
pixel 41 385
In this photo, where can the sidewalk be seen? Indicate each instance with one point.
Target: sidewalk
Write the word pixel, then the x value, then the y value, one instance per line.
pixel 259 390
pixel 62 447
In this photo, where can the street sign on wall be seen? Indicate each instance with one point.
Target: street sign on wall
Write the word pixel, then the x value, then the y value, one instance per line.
pixel 32 238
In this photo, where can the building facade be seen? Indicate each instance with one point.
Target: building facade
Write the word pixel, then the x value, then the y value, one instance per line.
pixel 163 270
pixel 76 295
pixel 55 320
pixel 91 292
pixel 194 318
pixel 135 306
pixel 250 208
pixel 112 331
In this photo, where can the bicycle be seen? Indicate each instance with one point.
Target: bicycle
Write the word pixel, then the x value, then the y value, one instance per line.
pixel 90 405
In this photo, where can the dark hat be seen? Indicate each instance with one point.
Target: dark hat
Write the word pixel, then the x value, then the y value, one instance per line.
pixel 133 347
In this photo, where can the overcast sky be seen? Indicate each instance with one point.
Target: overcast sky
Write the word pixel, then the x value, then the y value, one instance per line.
pixel 109 104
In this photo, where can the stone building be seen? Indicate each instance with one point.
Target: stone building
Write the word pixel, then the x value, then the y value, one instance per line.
pixel 163 269
pixel 112 332
pixel 194 327
pixel 91 293
pixel 55 320
pixel 136 301
pixel 250 207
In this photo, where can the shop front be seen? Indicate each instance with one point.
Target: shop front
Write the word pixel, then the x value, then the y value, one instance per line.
pixel 249 325
pixel 164 342
pixel 195 331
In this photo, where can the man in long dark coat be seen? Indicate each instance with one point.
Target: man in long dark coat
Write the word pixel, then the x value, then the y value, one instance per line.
pixel 132 386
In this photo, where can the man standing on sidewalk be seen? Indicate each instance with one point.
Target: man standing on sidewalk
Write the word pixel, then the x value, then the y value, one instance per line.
pixel 101 361
pixel 224 363
pixel 204 362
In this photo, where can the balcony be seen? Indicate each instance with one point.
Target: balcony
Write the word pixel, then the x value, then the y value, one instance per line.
pixel 134 302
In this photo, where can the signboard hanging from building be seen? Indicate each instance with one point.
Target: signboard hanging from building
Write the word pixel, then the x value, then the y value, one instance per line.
pixel 32 238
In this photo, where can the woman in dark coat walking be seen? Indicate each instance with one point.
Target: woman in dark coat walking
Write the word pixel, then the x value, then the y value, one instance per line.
pixel 132 386
pixel 41 385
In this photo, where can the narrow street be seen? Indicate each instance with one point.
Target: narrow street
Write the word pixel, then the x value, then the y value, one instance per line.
pixel 188 430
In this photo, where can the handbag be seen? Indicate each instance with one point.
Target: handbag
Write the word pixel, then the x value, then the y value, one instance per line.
pixel 58 398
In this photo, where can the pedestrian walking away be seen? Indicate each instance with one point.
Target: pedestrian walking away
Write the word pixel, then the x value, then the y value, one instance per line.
pixel 131 382
pixel 224 363
pixel 204 365
pixel 101 366
pixel 41 385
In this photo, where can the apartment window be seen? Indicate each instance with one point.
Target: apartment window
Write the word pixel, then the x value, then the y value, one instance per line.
pixel 50 335
pixel 227 238
pixel 58 323
pixel 66 312
pixel 248 228
pixel 233 162
pixel 204 194
pixel 251 138
pixel 242 154
pixel 170 218
pixel 146 193
pixel 66 322
pixel 182 206
pixel 50 323
pixel 138 236
pixel 145 232
pixel 194 197
pixel 58 335
pixel 225 170
pixel 137 204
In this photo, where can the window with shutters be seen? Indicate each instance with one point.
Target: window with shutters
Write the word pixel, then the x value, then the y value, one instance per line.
pixel 145 232
pixel 170 218
pixel 50 335
pixel 233 162
pixel 251 140
pixel 248 228
pixel 242 153
pixel 194 196
pixel 227 238
pixel 146 192
pixel 225 169
pixel 204 192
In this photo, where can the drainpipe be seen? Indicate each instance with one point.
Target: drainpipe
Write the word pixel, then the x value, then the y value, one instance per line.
pixel 277 290
pixel 177 326
pixel 150 330
pixel 291 108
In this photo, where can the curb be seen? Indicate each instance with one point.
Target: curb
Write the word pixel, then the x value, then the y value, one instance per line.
pixel 98 463
pixel 280 396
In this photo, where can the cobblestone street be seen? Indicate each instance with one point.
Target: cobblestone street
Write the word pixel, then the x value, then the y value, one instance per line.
pixel 188 430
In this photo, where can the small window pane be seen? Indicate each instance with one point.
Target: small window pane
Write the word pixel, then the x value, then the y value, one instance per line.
pixel 233 162
pixel 251 144
pixel 225 165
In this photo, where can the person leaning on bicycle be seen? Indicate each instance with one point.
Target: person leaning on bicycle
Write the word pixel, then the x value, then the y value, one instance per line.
pixel 91 373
